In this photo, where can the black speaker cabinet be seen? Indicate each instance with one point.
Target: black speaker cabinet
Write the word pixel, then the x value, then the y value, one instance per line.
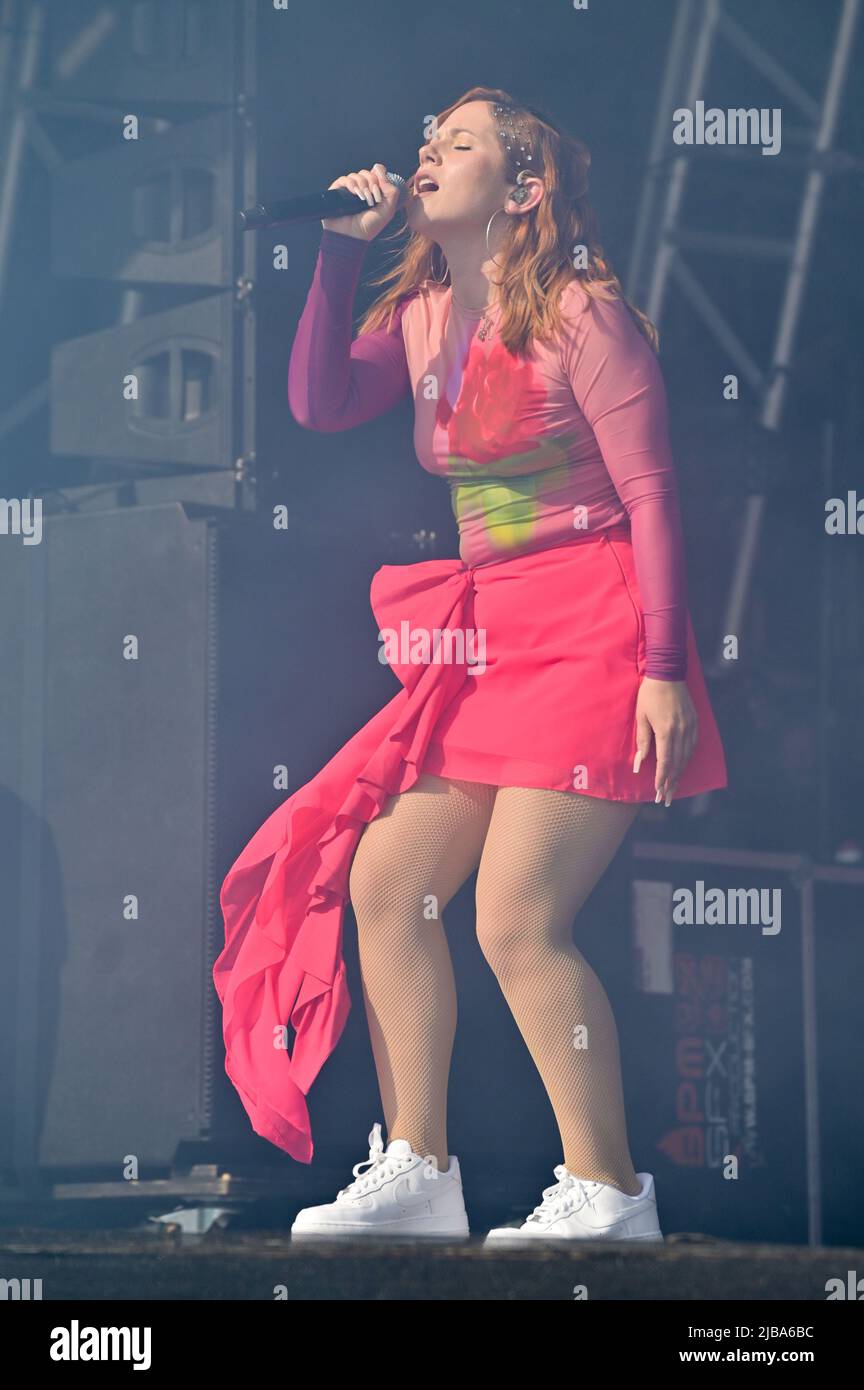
pixel 160 667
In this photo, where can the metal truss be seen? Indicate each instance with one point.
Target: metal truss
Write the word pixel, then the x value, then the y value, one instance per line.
pixel 666 251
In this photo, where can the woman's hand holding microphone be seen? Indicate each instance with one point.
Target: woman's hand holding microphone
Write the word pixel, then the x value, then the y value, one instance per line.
pixel 381 195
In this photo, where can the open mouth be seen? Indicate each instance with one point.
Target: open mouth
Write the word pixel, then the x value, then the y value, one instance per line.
pixel 425 185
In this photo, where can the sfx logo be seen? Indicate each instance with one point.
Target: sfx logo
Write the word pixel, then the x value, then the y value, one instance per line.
pixel 702 1139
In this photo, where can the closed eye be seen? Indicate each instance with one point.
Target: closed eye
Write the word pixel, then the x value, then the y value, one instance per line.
pixel 461 147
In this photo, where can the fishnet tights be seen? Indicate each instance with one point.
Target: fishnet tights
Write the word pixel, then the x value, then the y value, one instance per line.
pixel 538 854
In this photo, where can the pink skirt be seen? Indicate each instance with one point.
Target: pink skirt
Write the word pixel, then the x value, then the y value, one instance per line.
pixel 523 672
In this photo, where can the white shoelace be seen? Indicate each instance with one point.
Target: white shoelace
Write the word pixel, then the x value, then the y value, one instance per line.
pixel 379 1165
pixel 568 1194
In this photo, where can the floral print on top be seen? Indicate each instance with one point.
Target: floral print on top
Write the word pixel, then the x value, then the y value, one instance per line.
pixel 537 449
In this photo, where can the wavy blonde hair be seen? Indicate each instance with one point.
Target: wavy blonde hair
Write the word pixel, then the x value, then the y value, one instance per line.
pixel 536 260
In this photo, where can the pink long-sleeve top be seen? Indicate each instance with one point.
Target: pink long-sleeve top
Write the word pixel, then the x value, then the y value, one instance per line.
pixel 536 448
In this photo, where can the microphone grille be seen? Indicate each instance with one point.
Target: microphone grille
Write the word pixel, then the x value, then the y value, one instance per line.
pixel 397 181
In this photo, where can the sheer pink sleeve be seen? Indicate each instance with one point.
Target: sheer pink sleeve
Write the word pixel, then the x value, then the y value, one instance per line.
pixel 619 388
pixel 334 382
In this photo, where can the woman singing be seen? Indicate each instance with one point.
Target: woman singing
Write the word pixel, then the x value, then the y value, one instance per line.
pixel 569 691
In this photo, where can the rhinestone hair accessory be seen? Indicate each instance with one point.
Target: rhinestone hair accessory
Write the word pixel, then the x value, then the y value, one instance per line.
pixel 513 133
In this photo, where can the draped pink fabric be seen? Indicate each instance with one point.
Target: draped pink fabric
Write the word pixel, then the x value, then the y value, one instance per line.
pixel 283 899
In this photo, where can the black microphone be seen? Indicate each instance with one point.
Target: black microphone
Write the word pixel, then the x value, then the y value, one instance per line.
pixel 333 202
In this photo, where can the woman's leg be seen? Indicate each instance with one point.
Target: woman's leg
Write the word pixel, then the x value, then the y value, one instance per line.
pixel 409 863
pixel 544 853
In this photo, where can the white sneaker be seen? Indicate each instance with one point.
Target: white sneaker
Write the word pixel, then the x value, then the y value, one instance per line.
pixel 399 1194
pixel 579 1209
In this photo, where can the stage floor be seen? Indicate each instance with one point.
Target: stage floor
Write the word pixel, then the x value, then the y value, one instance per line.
pixel 166 1264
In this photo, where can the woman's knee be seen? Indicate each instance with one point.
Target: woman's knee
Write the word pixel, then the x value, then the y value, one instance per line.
pixel 510 914
pixel 382 887
pixel 370 884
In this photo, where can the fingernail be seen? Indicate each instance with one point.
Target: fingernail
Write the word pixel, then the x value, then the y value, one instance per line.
pixel 668 801
pixel 636 762
pixel 658 797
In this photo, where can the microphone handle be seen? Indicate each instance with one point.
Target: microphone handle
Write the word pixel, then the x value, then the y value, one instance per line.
pixel 333 202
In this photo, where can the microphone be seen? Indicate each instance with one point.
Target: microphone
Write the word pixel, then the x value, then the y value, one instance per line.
pixel 333 202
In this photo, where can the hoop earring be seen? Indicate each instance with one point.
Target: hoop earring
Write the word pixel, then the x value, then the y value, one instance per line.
pixel 518 196
pixel 488 225
pixel 443 277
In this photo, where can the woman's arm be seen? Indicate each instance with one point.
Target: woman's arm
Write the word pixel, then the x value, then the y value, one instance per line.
pixel 619 389
pixel 334 382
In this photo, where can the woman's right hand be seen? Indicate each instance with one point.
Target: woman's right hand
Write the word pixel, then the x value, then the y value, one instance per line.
pixel 381 195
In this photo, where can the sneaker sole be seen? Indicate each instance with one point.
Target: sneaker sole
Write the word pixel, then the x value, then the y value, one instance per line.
pixel 385 1229
pixel 515 1237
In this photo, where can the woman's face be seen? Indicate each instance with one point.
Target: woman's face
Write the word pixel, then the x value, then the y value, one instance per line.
pixel 465 160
